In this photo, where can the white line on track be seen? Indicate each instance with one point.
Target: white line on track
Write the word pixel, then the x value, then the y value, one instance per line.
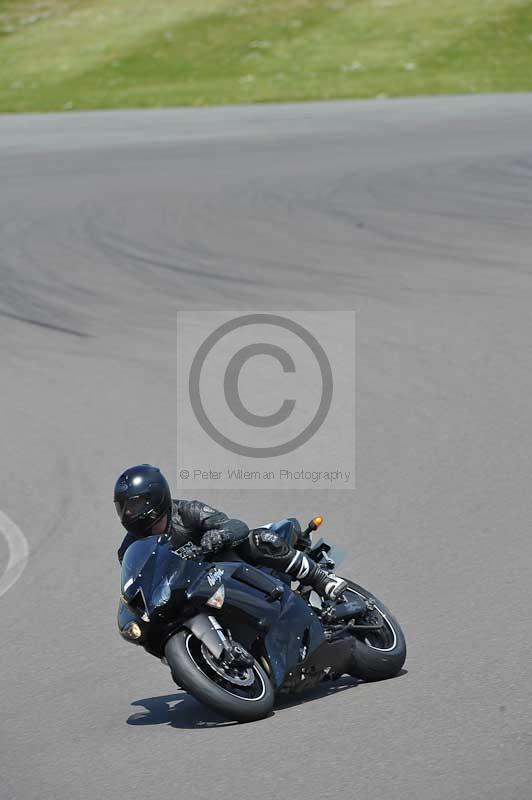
pixel 18 552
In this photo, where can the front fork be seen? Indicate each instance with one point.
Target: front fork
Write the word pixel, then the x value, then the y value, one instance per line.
pixel 208 630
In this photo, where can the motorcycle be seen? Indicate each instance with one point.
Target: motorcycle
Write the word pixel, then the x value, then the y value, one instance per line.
pixel 235 636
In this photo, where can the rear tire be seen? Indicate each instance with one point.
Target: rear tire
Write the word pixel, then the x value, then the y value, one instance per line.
pixel 377 655
pixel 191 669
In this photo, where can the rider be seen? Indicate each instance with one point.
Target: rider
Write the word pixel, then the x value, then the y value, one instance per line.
pixel 144 504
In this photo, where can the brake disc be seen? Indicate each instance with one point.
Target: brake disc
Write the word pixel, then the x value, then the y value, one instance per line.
pixel 240 677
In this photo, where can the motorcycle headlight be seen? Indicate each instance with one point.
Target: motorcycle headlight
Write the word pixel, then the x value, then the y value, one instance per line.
pixel 162 593
pixel 132 631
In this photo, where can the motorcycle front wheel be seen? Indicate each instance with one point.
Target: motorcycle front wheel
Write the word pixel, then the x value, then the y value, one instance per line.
pixel 244 694
pixel 376 654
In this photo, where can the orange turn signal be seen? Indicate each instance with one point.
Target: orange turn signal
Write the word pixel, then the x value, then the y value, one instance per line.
pixel 317 521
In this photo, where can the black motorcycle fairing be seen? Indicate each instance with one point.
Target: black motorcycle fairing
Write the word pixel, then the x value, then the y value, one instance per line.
pixel 297 634
pixel 290 630
pixel 126 615
pixel 161 591
pixel 147 564
pixel 199 615
pixel 243 603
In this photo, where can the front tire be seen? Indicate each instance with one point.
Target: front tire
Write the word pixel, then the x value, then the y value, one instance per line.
pixel 377 655
pixel 245 697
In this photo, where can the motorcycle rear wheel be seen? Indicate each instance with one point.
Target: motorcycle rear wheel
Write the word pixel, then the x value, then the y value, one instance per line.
pixel 244 695
pixel 377 655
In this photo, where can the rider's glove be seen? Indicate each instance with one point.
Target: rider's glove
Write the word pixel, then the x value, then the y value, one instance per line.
pixel 214 540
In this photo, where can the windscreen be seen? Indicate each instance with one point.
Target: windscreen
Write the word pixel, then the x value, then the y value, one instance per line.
pixel 135 558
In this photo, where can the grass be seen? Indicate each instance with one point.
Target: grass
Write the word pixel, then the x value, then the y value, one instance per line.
pixel 74 54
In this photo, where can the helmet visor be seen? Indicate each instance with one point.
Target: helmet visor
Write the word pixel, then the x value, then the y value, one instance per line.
pixel 132 508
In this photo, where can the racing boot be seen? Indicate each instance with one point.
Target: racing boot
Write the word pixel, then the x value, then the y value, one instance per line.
pixel 326 584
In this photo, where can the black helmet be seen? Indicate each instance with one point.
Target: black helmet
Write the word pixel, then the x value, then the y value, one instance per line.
pixel 142 497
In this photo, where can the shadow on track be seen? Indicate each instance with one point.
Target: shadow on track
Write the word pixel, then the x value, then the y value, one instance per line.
pixel 180 710
pixel 312 695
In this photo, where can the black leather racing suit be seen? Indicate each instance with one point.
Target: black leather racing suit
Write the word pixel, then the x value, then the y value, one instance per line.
pixel 190 520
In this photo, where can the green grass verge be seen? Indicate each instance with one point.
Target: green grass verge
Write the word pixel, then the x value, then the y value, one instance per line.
pixel 73 54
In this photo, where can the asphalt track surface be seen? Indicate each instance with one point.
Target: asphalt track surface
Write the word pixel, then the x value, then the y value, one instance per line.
pixel 416 213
